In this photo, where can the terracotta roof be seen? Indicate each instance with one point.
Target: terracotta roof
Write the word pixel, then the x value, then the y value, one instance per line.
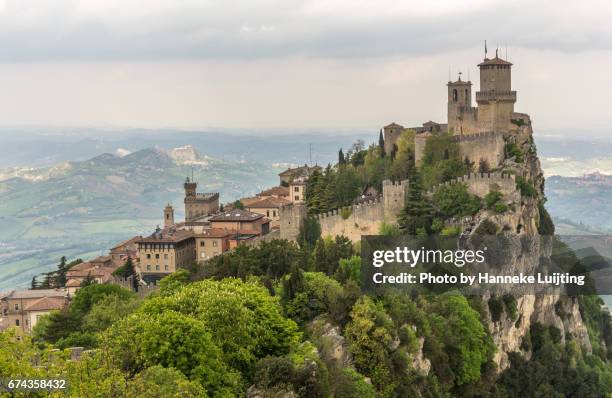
pixel 246 201
pixel 494 61
pixel 236 215
pixel 394 125
pixel 215 233
pixel 27 294
pixel 73 283
pixel 169 235
pixel 275 191
pixel 127 242
pixel 47 303
pixel 301 170
pixel 269 202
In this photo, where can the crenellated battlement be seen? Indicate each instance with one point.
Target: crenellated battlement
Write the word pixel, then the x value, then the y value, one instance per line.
pixel 481 184
pixel 480 136
pixel 353 209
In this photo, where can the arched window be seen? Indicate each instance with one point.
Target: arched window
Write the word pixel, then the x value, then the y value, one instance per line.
pixel 455 97
pixel 466 94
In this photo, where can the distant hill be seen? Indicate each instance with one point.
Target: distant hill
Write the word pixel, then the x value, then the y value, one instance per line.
pixel 84 207
pixel 584 202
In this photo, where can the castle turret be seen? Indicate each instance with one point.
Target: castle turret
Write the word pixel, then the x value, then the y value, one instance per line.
pixel 198 204
pixel 168 215
pixel 461 114
pixel 190 188
pixel 495 98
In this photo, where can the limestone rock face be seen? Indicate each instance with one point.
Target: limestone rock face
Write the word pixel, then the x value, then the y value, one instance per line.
pixel 521 250
pixel 419 362
pixel 330 342
pixel 254 392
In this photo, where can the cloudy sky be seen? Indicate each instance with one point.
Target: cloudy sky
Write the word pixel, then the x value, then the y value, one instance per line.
pixel 296 64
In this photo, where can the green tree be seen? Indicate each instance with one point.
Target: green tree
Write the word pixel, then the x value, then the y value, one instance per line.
pixel 381 143
pixel 171 339
pixel 455 200
pixel 417 213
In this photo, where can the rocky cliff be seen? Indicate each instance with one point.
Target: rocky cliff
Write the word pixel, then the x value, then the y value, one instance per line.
pixel 527 243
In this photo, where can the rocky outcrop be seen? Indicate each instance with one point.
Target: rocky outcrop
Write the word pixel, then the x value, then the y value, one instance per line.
pixel 331 345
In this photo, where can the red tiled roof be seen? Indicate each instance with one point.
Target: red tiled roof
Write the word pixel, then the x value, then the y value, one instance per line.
pixel 270 202
pixel 47 303
pixel 275 191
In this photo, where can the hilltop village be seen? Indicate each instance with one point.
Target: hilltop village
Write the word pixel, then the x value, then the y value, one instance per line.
pixel 484 133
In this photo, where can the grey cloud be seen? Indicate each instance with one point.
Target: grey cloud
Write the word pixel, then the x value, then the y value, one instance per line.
pixel 268 29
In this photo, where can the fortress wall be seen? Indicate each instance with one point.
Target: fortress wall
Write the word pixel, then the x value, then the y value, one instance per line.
pixel 364 219
pixel 480 184
pixel 291 218
pixel 486 145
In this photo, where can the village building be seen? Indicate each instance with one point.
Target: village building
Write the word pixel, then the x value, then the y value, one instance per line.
pixel 279 192
pixel 241 221
pixel 268 207
pixel 165 251
pixel 212 242
pixel 297 190
pixel 289 175
pixel 99 270
pixel 25 307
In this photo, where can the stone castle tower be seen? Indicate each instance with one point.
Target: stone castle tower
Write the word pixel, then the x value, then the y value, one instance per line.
pixel 495 100
pixel 394 198
pixel 198 204
pixel 168 216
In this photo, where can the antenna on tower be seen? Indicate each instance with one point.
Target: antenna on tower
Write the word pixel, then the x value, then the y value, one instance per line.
pixel 506 52
pixel 310 154
pixel 485 49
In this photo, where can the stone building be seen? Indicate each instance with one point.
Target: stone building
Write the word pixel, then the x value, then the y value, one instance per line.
pixel 165 251
pixel 25 307
pixel 291 174
pixel 268 207
pixel 199 204
pixel 168 216
pixel 297 190
pixel 212 242
pixel 241 221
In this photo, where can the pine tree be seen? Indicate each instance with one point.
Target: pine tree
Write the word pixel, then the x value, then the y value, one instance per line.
pixel 34 283
pixel 341 159
pixel 294 284
pixel 47 282
pixel 417 214
pixel 381 143
pixel 60 275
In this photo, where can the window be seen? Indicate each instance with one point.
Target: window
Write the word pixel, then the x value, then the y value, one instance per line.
pixel 166 267
pixel 165 256
pixel 296 189
pixel 267 213
pixel 148 255
pixel 16 306
pixel 202 243
pixel 297 197
pixel 274 213
pixel 148 267
pixel 455 96
pixel 157 267
pixel 16 322
pixel 214 243
pixel 157 256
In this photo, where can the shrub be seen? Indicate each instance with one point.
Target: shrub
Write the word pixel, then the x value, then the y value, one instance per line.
pixel 492 198
pixel 346 212
pixel 512 150
pixel 545 222
pixel 455 200
pixel 500 207
pixel 510 306
pixel 487 227
pixel 527 189
pixel 451 230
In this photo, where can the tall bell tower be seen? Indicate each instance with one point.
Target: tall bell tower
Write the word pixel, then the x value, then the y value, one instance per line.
pixel 461 114
pixel 495 98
